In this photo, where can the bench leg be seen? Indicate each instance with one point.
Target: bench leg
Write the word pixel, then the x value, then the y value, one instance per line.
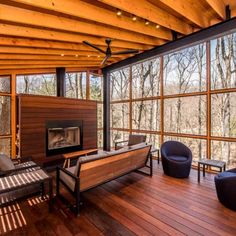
pixel 50 194
pixel 77 198
pixel 42 191
pixel 204 173
pixel 198 172
pixel 58 182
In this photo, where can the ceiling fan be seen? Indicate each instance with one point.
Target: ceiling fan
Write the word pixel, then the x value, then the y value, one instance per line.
pixel 108 53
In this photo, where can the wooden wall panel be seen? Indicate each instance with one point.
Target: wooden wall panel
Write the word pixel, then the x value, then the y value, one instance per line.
pixel 34 111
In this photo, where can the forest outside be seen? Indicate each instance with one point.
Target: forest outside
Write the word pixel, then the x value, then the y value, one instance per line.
pixel 180 83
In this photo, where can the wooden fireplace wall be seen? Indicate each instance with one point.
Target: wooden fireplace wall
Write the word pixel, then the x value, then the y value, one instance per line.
pixel 34 111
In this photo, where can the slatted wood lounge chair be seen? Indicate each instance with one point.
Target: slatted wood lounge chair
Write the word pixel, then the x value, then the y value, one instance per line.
pixel 23 181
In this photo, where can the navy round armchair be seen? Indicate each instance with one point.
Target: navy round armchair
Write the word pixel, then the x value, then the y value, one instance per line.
pixel 176 159
pixel 226 188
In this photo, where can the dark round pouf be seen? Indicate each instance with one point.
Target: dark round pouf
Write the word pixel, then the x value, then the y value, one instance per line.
pixel 225 183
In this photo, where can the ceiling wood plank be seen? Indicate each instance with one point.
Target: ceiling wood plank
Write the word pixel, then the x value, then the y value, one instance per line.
pixel 23 31
pixel 147 10
pixel 45 51
pixel 37 43
pixel 33 18
pixel 189 11
pixel 218 6
pixel 91 12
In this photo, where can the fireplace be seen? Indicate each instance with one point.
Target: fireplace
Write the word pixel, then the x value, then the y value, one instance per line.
pixel 63 136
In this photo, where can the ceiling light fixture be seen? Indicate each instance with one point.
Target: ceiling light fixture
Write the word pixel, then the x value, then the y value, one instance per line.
pixel 62 55
pixel 134 18
pixel 98 55
pixel 76 55
pixel 88 55
pixel 147 22
pixel 118 13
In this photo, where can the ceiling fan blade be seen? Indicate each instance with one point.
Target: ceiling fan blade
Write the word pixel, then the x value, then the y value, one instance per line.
pixel 130 51
pixel 93 46
pixel 105 60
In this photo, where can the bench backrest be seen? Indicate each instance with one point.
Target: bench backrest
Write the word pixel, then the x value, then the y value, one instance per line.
pixel 98 171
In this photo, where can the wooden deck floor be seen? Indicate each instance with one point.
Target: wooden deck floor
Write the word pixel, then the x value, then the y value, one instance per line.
pixel 131 205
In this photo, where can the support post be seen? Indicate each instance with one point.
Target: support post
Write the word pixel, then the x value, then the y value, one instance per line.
pixel 106 111
pixel 61 81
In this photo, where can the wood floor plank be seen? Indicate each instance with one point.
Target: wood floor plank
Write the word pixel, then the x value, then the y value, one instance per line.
pixel 131 205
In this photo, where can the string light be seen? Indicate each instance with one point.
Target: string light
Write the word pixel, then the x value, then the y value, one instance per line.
pixel 88 55
pixel 76 55
pixel 157 26
pixel 118 13
pixel 98 55
pixel 134 18
pixel 147 22
pixel 62 55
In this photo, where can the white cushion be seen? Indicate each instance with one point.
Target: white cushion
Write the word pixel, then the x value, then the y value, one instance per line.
pixel 68 180
pixel 6 163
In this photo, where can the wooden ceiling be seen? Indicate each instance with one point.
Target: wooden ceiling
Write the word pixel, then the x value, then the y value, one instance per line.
pixel 49 33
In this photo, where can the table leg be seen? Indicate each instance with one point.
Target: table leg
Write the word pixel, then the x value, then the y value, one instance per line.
pixel 68 163
pixel 158 157
pixel 204 166
pixel 198 172
pixel 224 167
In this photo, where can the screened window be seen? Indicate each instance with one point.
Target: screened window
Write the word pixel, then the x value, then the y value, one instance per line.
pixel 120 84
pixel 185 70
pixel 5 115
pixel 223 62
pixel 5 84
pixel 41 84
pixel 76 85
pixel 146 79
pixel 185 115
pixel 96 87
pixel 146 115
pixel 120 115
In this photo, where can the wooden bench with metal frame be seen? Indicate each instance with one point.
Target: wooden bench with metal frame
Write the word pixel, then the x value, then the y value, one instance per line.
pixel 94 172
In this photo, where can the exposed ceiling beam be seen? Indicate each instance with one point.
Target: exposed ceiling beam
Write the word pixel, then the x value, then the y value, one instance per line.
pixel 34 18
pixel 23 31
pixel 49 62
pixel 13 67
pixel 189 10
pixel 218 6
pixel 50 57
pixel 90 12
pixel 20 71
pixel 50 44
pixel 45 51
pixel 147 10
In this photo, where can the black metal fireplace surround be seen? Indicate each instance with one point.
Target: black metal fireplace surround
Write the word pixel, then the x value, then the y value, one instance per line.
pixel 63 136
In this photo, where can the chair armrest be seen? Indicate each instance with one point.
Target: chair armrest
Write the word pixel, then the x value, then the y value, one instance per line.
pixel 68 173
pixel 16 171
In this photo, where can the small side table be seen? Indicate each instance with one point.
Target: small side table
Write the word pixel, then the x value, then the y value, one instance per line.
pixel 209 162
